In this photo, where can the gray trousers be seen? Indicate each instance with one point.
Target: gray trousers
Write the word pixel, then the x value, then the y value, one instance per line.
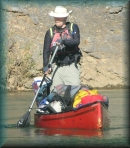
pixel 68 75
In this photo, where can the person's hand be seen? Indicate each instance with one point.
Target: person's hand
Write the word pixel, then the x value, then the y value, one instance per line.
pixel 47 69
pixel 60 45
pixel 59 42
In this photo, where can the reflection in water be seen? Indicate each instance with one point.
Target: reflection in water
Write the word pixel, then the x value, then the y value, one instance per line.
pixel 70 132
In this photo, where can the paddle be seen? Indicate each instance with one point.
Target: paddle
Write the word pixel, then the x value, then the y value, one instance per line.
pixel 25 119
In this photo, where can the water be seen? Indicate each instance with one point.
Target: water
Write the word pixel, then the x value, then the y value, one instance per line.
pixel 116 135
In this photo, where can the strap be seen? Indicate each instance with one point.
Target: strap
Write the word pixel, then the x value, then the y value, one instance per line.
pixel 67 95
pixel 51 33
pixel 71 27
pixel 88 92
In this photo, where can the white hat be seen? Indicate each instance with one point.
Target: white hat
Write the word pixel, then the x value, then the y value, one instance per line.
pixel 60 11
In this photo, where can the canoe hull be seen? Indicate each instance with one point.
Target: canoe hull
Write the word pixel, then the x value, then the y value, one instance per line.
pixel 93 116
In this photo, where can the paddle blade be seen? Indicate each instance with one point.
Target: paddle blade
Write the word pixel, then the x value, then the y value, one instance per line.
pixel 24 120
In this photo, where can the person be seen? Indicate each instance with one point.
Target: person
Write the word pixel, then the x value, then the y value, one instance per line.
pixel 66 68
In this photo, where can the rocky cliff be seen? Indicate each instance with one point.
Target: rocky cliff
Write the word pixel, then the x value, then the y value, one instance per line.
pixel 104 37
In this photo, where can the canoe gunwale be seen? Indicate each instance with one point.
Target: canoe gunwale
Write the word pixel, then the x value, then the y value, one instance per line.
pixel 84 106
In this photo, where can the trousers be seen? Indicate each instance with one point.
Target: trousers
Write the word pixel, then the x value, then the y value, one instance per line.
pixel 68 75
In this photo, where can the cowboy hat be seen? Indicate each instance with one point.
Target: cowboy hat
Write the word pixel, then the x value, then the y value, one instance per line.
pixel 60 11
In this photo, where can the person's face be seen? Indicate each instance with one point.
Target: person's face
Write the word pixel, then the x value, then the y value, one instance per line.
pixel 60 22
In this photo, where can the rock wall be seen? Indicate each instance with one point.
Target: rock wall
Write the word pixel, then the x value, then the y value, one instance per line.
pixel 104 38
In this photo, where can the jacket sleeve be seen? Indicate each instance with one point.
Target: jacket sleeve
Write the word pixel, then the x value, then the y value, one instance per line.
pixel 46 48
pixel 76 37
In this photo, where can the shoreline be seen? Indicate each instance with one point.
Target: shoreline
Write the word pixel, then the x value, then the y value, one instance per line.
pixel 31 90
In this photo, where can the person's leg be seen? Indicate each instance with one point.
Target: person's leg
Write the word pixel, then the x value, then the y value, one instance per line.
pixel 68 75
pixel 72 75
pixel 57 77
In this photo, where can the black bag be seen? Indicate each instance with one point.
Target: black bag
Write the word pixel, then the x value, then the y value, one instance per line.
pixel 65 94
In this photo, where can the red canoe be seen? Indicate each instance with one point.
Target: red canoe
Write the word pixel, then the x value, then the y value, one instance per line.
pixel 92 116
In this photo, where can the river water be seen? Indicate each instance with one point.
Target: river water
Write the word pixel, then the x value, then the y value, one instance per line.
pixel 116 135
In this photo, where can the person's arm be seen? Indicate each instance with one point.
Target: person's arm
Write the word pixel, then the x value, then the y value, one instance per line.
pixel 76 37
pixel 46 49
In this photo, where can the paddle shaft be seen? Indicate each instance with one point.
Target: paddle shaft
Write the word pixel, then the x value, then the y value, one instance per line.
pixel 53 55
pixel 43 79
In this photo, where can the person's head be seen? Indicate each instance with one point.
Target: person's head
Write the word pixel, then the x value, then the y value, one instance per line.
pixel 60 16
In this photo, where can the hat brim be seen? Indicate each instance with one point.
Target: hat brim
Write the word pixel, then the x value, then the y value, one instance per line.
pixel 53 14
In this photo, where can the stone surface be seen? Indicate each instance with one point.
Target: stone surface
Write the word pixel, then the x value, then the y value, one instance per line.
pixel 103 30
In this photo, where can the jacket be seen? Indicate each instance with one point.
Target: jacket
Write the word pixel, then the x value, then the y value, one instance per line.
pixel 70 45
